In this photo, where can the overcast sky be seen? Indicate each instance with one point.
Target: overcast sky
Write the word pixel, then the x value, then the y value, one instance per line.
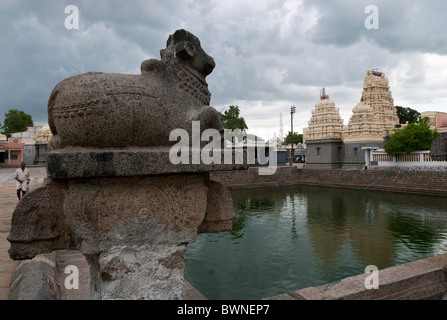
pixel 269 54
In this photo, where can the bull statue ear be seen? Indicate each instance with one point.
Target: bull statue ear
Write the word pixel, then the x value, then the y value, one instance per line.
pixel 186 48
pixel 190 48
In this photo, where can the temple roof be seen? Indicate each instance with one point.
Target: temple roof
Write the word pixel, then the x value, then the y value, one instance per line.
pixel 362 107
pixel 325 121
pixel 44 134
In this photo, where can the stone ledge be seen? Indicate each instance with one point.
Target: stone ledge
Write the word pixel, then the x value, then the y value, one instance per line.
pixel 86 163
pixel 418 280
pixel 323 140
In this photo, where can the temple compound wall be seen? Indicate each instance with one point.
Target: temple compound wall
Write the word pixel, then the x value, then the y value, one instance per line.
pixel 430 181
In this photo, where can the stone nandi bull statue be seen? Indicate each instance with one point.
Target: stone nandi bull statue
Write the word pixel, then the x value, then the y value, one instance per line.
pixel 102 110
pixel 112 192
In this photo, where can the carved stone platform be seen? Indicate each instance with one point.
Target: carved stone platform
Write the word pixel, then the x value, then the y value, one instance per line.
pixel 84 163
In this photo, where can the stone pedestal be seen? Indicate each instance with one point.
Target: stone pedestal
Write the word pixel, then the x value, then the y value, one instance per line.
pixel 133 230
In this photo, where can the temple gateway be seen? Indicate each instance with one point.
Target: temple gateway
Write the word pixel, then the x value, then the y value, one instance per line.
pixel 332 145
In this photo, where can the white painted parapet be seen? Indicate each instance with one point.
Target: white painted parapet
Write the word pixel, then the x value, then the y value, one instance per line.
pixel 414 159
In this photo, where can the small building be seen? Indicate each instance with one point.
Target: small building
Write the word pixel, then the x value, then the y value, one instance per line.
pixel 11 151
pixel 298 150
pixel 436 120
pixel 299 154
pixel 21 146
pixel 3 147
pixel 28 136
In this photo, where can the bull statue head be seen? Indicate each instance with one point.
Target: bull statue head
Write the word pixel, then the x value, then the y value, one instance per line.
pixel 185 46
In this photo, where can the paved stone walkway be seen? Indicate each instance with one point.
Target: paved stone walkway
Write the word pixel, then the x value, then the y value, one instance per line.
pixel 8 202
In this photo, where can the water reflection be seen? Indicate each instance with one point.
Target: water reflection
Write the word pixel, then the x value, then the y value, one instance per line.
pixel 287 238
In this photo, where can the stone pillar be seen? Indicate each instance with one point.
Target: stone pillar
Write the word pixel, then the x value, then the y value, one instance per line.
pixel 134 232
pixel 367 157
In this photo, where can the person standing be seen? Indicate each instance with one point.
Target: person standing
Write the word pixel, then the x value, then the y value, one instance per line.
pixel 22 176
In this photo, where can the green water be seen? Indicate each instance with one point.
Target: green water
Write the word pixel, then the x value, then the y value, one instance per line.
pixel 292 237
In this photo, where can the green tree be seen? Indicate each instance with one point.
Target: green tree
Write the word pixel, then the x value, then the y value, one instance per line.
pixel 16 121
pixel 407 114
pixel 297 138
pixel 413 137
pixel 231 119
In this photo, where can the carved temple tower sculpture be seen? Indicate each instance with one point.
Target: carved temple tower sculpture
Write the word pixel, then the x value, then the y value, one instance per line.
pixel 363 126
pixel 373 118
pixel 323 136
pixel 325 122
pixel 376 93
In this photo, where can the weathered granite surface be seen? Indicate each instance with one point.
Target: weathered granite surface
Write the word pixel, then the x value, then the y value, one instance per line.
pixel 45 277
pixel 133 230
pixel 82 163
pixel 36 280
pixel 101 110
pixel 418 280
pixel 438 150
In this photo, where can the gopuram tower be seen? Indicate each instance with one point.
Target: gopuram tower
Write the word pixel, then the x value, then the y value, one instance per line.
pixel 325 121
pixel 377 94
pixel 323 137
pixel 375 116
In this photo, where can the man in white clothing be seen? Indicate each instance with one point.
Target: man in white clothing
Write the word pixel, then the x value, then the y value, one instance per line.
pixel 23 177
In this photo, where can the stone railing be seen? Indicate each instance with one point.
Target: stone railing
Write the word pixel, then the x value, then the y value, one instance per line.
pixel 418 158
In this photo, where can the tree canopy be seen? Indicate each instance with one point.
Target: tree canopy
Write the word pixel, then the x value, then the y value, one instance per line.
pixel 297 138
pixel 407 114
pixel 231 119
pixel 16 121
pixel 413 137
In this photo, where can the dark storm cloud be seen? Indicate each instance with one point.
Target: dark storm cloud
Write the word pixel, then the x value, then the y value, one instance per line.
pixel 404 25
pixel 269 54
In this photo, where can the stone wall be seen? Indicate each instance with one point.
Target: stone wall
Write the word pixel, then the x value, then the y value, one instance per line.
pixel 423 279
pixel 412 180
pixel 353 157
pixel 29 154
pixel 419 280
pixel 324 153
